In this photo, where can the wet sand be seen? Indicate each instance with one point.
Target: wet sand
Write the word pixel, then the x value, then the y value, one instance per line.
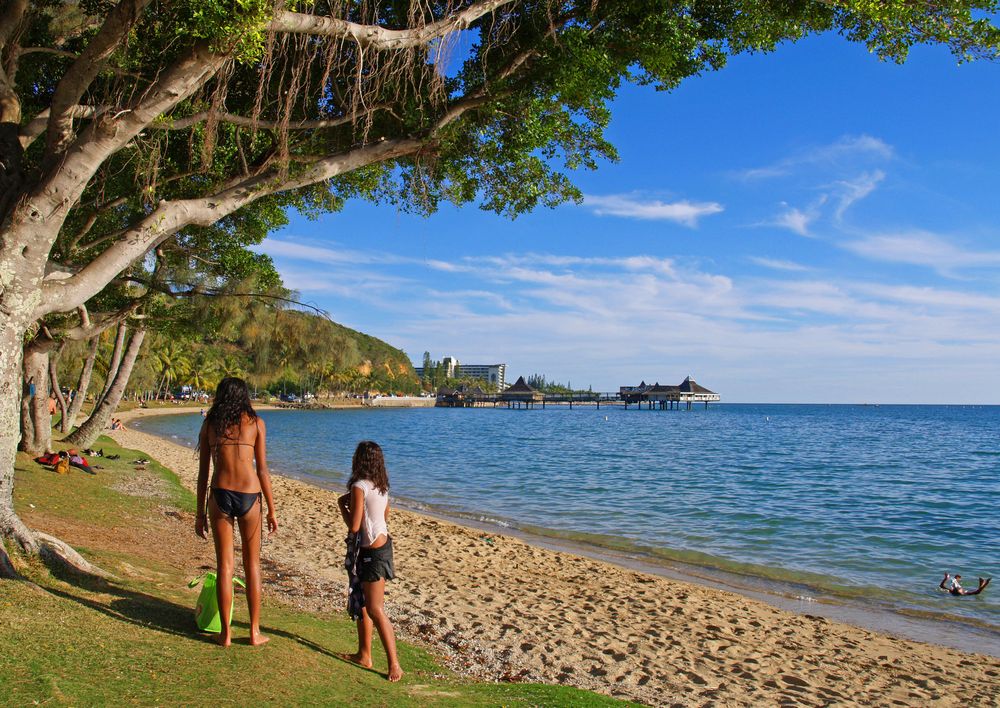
pixel 500 608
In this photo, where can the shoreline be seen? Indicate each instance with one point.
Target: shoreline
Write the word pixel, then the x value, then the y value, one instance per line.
pixel 651 633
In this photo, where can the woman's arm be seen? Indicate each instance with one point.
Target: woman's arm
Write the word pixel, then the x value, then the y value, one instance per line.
pixel 357 509
pixel 204 458
pixel 260 453
pixel 344 504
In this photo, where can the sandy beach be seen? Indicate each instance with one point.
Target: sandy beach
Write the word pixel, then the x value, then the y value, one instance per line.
pixel 500 608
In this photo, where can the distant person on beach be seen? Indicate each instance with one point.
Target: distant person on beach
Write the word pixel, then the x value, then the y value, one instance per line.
pixel 232 439
pixel 955 585
pixel 365 509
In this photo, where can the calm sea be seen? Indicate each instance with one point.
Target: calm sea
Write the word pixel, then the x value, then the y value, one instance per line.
pixel 866 503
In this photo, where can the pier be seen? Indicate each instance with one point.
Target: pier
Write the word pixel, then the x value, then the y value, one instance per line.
pixel 520 395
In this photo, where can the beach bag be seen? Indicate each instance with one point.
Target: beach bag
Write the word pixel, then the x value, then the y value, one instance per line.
pixel 206 611
pixel 62 467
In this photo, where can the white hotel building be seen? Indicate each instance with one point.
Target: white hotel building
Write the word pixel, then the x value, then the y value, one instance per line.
pixel 494 374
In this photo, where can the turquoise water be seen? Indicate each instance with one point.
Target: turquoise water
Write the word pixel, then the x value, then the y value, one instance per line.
pixel 872 503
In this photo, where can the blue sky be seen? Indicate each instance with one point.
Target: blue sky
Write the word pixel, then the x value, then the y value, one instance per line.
pixel 806 226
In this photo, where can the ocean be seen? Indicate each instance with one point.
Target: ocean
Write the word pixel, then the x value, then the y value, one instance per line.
pixel 858 504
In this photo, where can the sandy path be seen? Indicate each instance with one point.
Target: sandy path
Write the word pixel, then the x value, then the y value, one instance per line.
pixel 501 608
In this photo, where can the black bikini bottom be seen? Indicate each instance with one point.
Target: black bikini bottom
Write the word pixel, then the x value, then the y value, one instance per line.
pixel 235 505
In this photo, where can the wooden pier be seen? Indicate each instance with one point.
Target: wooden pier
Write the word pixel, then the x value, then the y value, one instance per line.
pixel 520 395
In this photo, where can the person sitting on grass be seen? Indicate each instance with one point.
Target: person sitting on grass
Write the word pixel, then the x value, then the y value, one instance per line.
pixel 365 509
pixel 955 586
pixel 233 439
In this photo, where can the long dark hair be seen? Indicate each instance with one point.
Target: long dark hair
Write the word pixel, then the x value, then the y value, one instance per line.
pixel 232 402
pixel 369 463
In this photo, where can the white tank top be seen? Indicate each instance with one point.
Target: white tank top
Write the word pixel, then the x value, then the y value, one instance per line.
pixel 373 522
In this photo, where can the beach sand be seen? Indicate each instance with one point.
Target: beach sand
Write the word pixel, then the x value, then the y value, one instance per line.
pixel 499 608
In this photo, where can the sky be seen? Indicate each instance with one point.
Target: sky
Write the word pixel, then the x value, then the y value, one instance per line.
pixel 810 225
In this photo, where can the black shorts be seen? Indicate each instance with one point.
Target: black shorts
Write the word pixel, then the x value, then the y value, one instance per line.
pixel 375 564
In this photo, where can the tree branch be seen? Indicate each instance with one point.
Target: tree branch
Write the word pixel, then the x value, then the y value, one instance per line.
pixel 188 121
pixel 197 291
pixel 39 217
pixel 61 293
pixel 47 50
pixel 36 126
pixel 380 38
pixel 10 19
pixel 83 71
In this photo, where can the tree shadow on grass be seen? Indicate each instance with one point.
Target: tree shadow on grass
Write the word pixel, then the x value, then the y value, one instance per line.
pixel 137 608
pixel 162 615
pixel 318 648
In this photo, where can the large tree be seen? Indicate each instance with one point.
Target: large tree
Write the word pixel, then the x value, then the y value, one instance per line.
pixel 187 128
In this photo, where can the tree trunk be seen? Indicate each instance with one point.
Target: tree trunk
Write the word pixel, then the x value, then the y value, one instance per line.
pixel 11 382
pixel 54 383
pixel 27 428
pixel 116 359
pixel 90 430
pixel 81 387
pixel 36 368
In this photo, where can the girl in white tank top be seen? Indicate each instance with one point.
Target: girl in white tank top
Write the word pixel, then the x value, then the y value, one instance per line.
pixel 365 509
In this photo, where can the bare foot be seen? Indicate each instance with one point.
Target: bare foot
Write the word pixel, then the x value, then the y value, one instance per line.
pixel 223 640
pixel 357 658
pixel 395 673
pixel 257 639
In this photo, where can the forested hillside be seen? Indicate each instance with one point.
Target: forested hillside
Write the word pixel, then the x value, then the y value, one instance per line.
pixel 276 347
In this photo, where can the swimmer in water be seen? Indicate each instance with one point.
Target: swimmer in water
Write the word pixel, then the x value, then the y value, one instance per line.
pixel 955 586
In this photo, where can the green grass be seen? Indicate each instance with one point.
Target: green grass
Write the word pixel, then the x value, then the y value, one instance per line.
pixel 131 640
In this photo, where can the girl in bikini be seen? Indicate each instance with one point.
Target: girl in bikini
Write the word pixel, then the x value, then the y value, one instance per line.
pixel 232 438
pixel 365 509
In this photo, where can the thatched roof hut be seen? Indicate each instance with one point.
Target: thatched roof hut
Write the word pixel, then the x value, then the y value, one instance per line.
pixel 521 391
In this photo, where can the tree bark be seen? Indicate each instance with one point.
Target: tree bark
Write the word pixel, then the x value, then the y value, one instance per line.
pixel 81 387
pixel 27 428
pixel 36 368
pixel 114 363
pixel 91 429
pixel 11 382
pixel 56 389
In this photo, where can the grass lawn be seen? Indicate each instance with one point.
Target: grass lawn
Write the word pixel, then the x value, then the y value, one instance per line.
pixel 132 640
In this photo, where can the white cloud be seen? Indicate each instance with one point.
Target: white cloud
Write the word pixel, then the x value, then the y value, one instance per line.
pixel 855 190
pixel 682 212
pixel 847 148
pixel 776 264
pixel 922 248
pixel 795 220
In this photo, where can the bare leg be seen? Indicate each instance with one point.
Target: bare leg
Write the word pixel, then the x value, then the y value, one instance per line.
pixel 363 656
pixel 982 586
pixel 250 530
pixel 222 534
pixel 374 601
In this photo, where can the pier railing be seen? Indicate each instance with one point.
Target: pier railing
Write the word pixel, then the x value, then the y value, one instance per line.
pixel 657 401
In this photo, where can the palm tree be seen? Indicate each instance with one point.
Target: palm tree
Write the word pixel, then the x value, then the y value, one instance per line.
pixel 173 363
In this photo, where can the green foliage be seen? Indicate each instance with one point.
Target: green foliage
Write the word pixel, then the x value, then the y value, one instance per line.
pixel 539 383
pixel 262 339
pixel 228 25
